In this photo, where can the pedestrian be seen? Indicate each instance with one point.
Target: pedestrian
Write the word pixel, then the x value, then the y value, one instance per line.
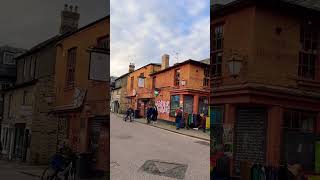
pixel 178 117
pixel 155 114
pixel 149 113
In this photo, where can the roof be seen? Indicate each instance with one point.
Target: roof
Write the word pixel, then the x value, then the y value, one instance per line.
pixel 299 6
pixel 190 61
pixel 55 39
pixel 122 76
pixel 150 64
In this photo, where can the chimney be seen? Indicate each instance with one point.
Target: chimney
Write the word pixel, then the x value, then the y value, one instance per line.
pixel 69 19
pixel 165 61
pixel 131 67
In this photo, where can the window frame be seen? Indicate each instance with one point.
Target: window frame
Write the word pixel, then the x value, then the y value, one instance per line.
pixel 71 67
pixel 177 79
pixel 172 111
pixel 216 67
pixel 5 59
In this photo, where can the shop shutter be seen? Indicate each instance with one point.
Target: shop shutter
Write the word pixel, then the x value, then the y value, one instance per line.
pixel 250 136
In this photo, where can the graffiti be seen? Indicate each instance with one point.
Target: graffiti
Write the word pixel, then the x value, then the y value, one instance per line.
pixel 163 106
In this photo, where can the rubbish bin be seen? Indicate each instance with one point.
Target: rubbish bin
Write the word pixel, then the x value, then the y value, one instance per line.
pixel 84 168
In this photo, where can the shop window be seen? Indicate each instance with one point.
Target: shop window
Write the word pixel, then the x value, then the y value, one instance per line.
pixel 299 121
pixel 216 115
pixel 71 66
pixel 203 105
pixel 174 104
pixel 308 52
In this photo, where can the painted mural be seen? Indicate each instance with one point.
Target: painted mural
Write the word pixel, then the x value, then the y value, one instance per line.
pixel 163 106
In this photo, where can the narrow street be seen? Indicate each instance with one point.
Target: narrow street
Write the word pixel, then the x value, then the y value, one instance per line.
pixel 12 171
pixel 176 156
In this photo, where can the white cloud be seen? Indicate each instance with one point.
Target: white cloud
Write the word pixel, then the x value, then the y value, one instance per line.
pixel 141 33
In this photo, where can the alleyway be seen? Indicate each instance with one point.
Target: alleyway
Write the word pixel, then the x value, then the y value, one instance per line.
pixel 133 144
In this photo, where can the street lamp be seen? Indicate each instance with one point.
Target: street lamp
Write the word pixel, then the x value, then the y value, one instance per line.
pixel 235 65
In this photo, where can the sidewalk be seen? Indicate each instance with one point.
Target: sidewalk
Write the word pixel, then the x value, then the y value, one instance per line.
pixel 199 134
pixel 32 170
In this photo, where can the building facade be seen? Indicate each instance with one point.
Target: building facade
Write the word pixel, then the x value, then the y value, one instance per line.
pixel 82 104
pixel 119 102
pixel 265 81
pixel 185 84
pixel 139 88
pixel 28 132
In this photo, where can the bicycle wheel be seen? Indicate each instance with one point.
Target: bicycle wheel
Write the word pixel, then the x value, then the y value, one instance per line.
pixel 49 174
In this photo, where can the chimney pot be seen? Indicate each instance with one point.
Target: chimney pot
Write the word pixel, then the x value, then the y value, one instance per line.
pixel 71 7
pixel 66 7
pixel 165 61
pixel 131 67
pixel 76 9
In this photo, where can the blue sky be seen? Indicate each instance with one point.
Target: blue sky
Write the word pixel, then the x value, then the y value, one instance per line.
pixel 142 33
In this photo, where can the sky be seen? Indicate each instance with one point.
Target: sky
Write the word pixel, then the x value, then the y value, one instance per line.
pixel 25 23
pixel 142 33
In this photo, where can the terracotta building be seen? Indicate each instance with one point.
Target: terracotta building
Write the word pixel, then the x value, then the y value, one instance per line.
pixel 266 82
pixel 139 87
pixel 184 84
pixel 82 91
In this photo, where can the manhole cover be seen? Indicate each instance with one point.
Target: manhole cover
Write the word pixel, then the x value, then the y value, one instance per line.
pixel 203 143
pixel 124 137
pixel 114 164
pixel 161 168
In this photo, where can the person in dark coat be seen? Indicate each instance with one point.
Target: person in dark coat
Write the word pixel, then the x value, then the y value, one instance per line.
pixel 149 114
pixel 155 114
pixel 178 117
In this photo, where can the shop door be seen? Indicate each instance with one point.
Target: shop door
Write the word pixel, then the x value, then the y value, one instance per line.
pixel 188 104
pixel 94 136
pixel 250 136
pixel 18 142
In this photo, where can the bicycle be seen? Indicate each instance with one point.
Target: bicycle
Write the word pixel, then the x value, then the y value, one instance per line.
pixel 66 173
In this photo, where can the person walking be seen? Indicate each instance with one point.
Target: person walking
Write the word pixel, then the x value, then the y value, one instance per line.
pixel 149 113
pixel 155 114
pixel 178 117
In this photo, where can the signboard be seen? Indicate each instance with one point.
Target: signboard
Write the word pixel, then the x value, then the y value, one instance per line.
pixel 99 66
pixel 141 82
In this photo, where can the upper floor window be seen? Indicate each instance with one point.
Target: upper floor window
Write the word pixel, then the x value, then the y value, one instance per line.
pixel 177 77
pixel 131 83
pixel 103 42
pixel 206 78
pixel 216 56
pixel 71 66
pixel 308 52
pixel 218 38
pixel 8 58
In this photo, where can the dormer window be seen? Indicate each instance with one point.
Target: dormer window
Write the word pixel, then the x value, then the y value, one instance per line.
pixel 8 58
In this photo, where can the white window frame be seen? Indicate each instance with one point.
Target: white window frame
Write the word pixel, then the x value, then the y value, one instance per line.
pixel 5 58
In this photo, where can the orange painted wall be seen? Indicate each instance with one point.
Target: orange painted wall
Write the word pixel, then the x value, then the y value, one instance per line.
pixel 142 92
pixel 96 100
pixel 192 74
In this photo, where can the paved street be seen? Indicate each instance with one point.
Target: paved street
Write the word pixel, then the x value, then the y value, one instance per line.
pixel 12 171
pixel 132 144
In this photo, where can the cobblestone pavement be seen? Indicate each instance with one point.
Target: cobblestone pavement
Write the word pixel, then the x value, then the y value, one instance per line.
pixel 135 145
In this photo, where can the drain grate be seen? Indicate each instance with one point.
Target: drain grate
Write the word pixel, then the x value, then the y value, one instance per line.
pixel 167 169
pixel 203 143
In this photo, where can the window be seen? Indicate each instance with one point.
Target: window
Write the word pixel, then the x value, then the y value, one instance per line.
pixel 71 66
pixel 131 83
pixel 203 105
pixel 103 43
pixel 174 104
pixel 206 78
pixel 177 77
pixel 308 52
pixel 32 66
pixel 217 44
pixel 8 58
pixel 10 105
pixel 299 121
pixel 154 82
